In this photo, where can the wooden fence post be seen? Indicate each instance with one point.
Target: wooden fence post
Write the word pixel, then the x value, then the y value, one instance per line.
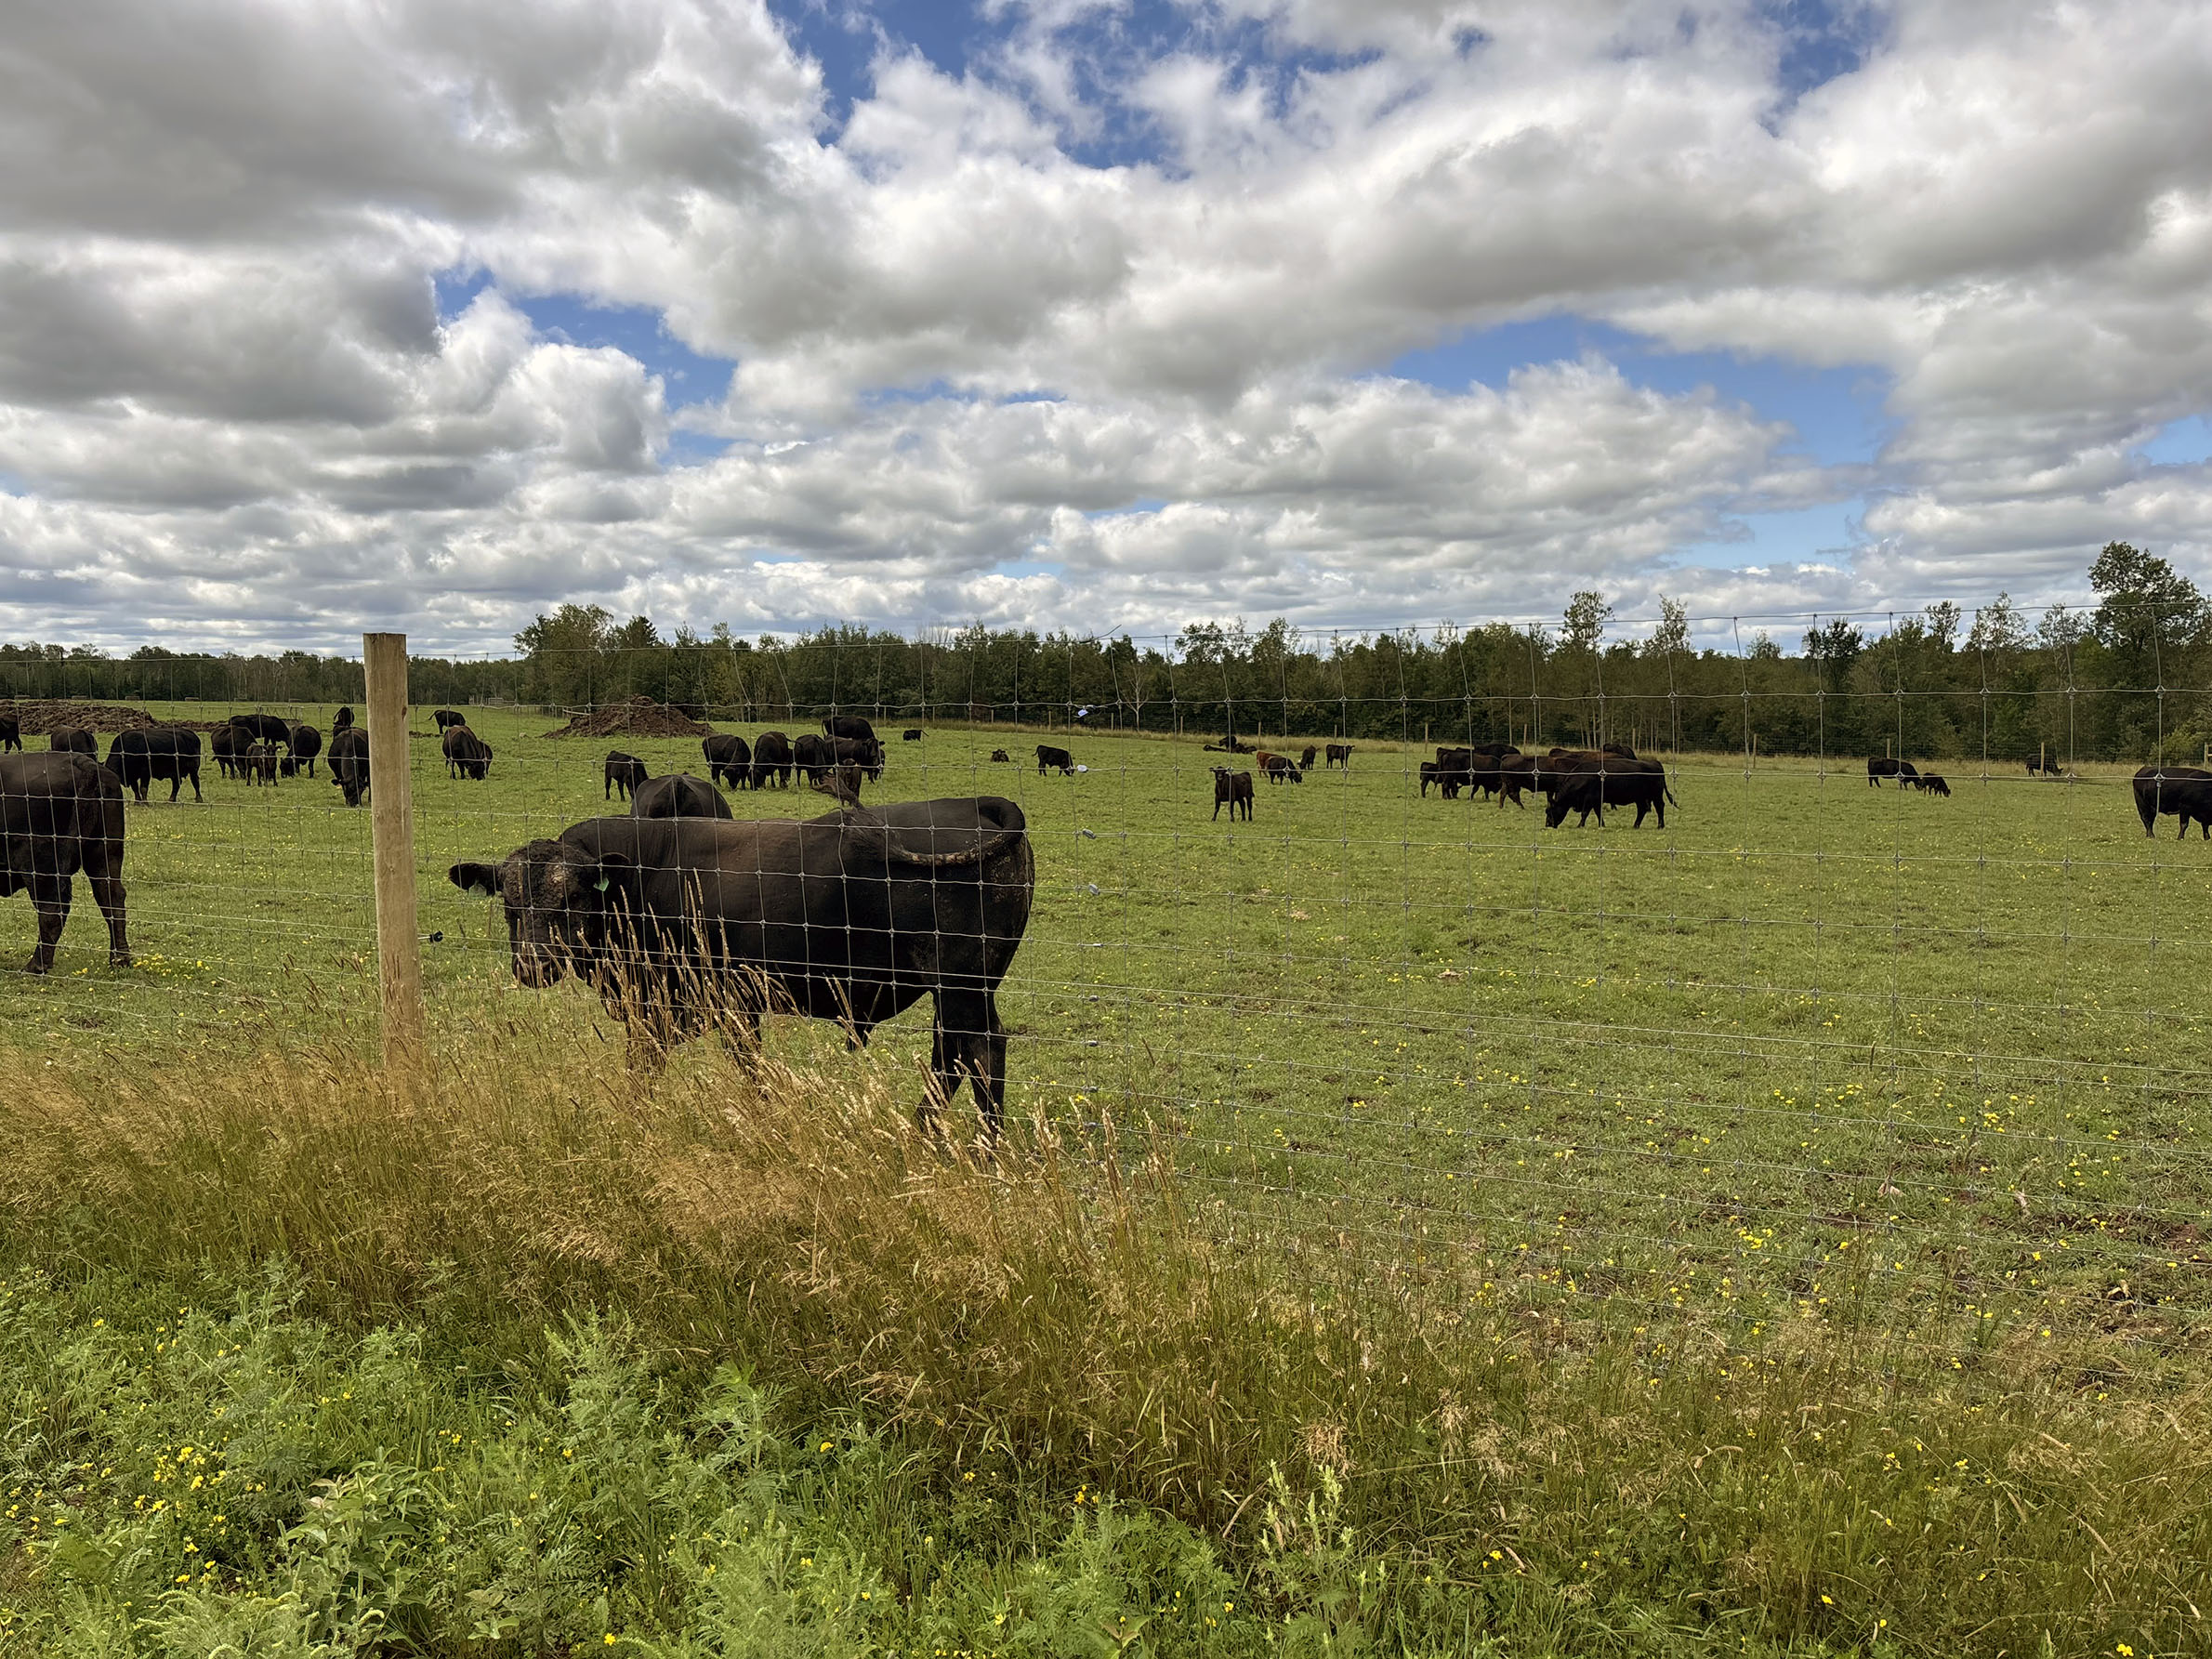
pixel 391 829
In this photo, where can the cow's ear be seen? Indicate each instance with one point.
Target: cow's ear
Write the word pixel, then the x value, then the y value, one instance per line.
pixel 480 879
pixel 613 870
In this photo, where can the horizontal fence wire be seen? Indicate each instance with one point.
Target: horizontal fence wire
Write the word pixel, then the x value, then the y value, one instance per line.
pixel 1804 1046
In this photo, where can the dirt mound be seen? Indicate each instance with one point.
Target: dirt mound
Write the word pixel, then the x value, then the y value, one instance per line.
pixel 640 716
pixel 42 716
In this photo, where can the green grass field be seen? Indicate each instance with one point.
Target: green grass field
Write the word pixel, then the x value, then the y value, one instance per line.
pixel 1624 1070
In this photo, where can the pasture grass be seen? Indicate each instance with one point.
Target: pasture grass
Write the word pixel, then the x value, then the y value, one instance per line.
pixel 508 1363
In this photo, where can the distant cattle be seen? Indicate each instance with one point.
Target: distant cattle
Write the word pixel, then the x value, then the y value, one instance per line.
pixel 679 795
pixel 350 763
pixel 813 755
pixel 138 759
pixel 266 728
pixel 729 760
pixel 2184 791
pixel 2045 763
pixel 61 813
pixel 259 763
pixel 1049 757
pixel 1232 790
pixel 1879 767
pixel 306 743
pixel 1279 769
pixel 622 774
pixel 227 744
pixel 71 740
pixel 1610 781
pixel 1307 760
pixel 446 718
pixel 1337 754
pixel 772 760
pixel 852 726
pixel 11 736
pixel 1000 755
pixel 1927 784
pixel 467 754
pixel 913 734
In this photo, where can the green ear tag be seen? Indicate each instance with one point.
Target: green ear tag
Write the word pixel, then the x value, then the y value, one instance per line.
pixel 603 884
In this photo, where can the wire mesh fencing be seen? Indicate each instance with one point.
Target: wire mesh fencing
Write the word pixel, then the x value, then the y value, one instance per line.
pixel 1659 976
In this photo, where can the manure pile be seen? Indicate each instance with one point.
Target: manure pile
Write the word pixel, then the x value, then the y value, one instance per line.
pixel 640 716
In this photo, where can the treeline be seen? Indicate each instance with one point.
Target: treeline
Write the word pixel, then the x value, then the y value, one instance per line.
pixel 2125 679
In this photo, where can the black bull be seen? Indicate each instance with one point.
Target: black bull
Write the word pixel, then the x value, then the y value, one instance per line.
pixel 687 924
pixel 60 814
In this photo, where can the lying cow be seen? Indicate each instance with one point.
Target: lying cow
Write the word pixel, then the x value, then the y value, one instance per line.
pixel 1232 790
pixel 2184 791
pixel 467 754
pixel 1879 767
pixel 913 734
pixel 684 925
pixel 350 763
pixel 1000 755
pixel 729 760
pixel 679 795
pixel 61 813
pixel 1049 757
pixel 622 775
pixel 138 758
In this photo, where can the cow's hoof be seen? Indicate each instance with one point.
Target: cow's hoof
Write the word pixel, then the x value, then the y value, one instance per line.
pixel 119 959
pixel 34 966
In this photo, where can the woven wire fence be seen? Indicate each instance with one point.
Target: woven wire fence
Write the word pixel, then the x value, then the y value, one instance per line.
pixel 1809 1038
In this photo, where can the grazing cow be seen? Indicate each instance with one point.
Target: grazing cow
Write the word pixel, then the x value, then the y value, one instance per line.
pixel 305 744
pixel 1879 767
pixel 622 775
pixel 350 763
pixel 227 744
pixel 861 753
pixel 2047 763
pixel 11 737
pixel 71 740
pixel 138 759
pixel 445 719
pixel 999 754
pixel 913 734
pixel 686 925
pixel 851 726
pixel 288 767
pixel 265 728
pixel 1337 754
pixel 729 760
pixel 2184 791
pixel 1453 770
pixel 1610 781
pixel 259 764
pixel 1049 757
pixel 61 813
pixel 1279 769
pixel 467 754
pixel 343 719
pixel 1927 782
pixel 772 760
pixel 1307 760
pixel 1234 790
pixel 1515 775
pixel 813 755
pixel 679 795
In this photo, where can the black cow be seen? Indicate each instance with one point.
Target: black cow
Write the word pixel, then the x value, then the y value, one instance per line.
pixel 1307 760
pixel 467 754
pixel 59 813
pixel 1279 769
pixel 259 764
pixel 814 755
pixel 2185 791
pixel 11 737
pixel 71 740
pixel 138 759
pixel 863 753
pixel 1337 754
pixel 851 726
pixel 343 719
pixel 913 734
pixel 1591 786
pixel 1234 790
pixel 1927 784
pixel 264 728
pixel 445 718
pixel 689 924
pixel 1000 755
pixel 622 775
pixel 1048 756
pixel 227 744
pixel 306 743
pixel 1879 767
pixel 2047 763
pixel 679 795
pixel 1515 774
pixel 771 760
pixel 350 763
pixel 729 760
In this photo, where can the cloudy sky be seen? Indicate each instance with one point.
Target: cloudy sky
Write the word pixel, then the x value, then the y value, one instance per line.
pixel 318 315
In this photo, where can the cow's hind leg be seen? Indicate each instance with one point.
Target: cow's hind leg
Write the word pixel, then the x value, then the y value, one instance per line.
pixel 107 892
pixel 968 1043
pixel 49 899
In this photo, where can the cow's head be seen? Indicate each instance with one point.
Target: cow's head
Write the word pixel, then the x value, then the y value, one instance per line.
pixel 558 901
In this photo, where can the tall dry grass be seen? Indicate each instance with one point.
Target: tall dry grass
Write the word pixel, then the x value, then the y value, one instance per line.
pixel 1060 1307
